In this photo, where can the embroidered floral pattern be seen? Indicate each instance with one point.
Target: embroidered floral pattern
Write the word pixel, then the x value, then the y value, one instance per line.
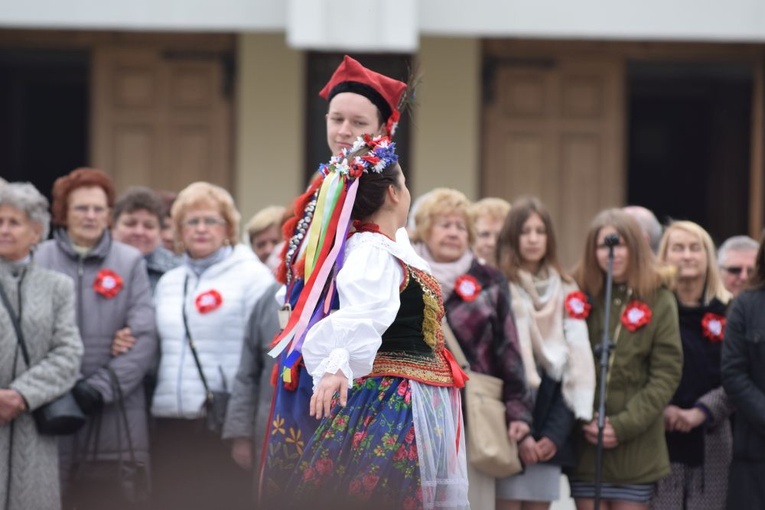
pixel 577 305
pixel 208 301
pixel 636 315
pixel 366 450
pixel 434 308
pixel 467 287
pixel 713 327
pixel 108 283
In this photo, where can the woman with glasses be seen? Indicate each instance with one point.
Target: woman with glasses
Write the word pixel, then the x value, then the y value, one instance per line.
pixel 477 305
pixel 112 292
pixel 207 300
pixel 696 419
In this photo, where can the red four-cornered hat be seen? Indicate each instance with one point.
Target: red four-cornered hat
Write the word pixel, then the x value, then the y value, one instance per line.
pixel 351 76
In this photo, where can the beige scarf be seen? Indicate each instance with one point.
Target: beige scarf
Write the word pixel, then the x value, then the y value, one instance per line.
pixel 552 341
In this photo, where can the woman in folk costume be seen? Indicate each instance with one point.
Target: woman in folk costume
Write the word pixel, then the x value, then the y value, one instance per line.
pixel 392 434
pixel 361 102
pixel 698 430
pixel 549 313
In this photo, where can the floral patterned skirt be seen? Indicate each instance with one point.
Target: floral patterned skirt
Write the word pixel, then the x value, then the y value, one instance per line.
pixel 366 454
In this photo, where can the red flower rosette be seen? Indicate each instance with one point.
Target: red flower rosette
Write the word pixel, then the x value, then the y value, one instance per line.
pixel 108 283
pixel 713 327
pixel 208 301
pixel 636 315
pixel 467 287
pixel 577 305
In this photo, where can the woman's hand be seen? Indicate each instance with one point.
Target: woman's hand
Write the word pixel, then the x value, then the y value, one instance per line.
pixel 689 419
pixel 546 449
pixel 671 416
pixel 609 434
pixel 241 452
pixel 517 430
pixel 11 405
pixel 123 341
pixel 321 401
pixel 527 451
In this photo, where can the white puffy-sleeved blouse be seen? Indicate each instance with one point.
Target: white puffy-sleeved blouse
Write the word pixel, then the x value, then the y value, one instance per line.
pixel 368 288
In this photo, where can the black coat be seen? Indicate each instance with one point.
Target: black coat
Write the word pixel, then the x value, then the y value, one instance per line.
pixel 743 376
pixel 554 420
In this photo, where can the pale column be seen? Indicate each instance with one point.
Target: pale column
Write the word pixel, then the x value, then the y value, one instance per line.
pixel 269 117
pixel 446 130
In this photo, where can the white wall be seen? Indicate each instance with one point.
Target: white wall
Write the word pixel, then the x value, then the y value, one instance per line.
pixel 700 20
pixel 186 15
pixel 694 20
pixel 270 113
pixel 446 127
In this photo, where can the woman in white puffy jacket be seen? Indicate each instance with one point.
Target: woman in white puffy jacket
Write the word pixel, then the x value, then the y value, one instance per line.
pixel 206 301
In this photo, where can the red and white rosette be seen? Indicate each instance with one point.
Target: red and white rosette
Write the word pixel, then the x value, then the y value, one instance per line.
pixel 713 327
pixel 108 283
pixel 208 301
pixel 467 287
pixel 636 315
pixel 577 305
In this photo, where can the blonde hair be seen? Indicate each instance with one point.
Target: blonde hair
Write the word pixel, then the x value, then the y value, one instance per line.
pixel 442 202
pixel 204 194
pixel 643 274
pixel 713 285
pixel 492 207
pixel 264 219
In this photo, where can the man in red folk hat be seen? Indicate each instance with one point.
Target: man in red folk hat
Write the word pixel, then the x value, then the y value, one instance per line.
pixel 361 102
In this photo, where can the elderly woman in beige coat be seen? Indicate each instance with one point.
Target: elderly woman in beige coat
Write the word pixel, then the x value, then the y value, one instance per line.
pixel 44 303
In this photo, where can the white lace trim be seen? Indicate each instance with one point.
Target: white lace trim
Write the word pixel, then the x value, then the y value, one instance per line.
pixel 338 359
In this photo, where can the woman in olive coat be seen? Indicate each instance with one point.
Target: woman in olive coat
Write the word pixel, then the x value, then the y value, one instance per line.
pixel 644 368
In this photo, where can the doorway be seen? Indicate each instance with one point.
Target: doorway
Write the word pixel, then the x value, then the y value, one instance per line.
pixel 689 143
pixel 43 114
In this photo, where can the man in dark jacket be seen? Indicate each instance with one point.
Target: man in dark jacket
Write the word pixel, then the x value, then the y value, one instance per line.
pixel 743 376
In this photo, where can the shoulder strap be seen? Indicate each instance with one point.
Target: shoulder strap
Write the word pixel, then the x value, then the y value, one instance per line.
pixel 453 344
pixel 16 323
pixel 208 393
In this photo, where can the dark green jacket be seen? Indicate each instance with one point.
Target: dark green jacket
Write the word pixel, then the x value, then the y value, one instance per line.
pixel 645 371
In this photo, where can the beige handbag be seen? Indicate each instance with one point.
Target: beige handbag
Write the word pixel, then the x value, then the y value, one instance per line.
pixel 490 450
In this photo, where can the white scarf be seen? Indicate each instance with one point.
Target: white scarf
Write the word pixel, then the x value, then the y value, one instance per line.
pixel 446 273
pixel 552 340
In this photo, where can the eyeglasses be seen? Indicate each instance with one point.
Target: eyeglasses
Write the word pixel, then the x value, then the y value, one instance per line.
pixel 736 270
pixel 207 221
pixel 84 209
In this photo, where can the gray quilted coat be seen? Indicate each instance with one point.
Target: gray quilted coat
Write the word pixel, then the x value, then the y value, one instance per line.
pixel 29 476
pixel 98 318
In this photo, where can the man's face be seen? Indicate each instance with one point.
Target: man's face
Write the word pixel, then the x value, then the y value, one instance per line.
pixel 736 269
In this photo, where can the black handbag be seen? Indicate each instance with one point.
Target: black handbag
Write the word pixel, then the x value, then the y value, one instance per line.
pixel 62 416
pixel 98 480
pixel 216 402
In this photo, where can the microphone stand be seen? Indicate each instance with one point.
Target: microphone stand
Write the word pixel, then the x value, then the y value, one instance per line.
pixel 604 350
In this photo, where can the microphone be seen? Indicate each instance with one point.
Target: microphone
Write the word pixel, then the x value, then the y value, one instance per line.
pixel 611 240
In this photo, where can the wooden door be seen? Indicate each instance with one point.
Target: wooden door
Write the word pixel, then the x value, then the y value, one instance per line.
pixel 160 121
pixel 554 129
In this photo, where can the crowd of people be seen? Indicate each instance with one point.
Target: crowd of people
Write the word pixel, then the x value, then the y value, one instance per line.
pixel 302 362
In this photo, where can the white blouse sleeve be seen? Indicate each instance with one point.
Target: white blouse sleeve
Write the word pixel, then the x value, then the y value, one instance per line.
pixel 348 339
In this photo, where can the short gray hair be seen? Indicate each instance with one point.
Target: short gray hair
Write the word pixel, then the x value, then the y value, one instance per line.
pixel 648 222
pixel 735 243
pixel 25 197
